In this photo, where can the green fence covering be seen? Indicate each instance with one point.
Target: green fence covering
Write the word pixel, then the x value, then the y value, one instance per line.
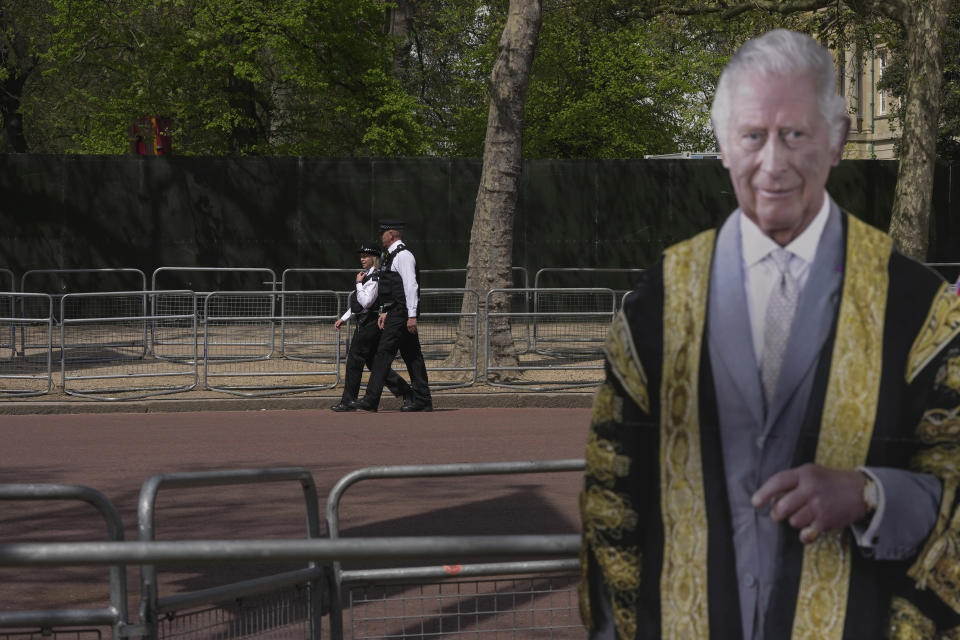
pixel 288 212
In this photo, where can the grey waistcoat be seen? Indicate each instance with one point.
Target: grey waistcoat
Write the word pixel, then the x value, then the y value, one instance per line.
pixel 757 446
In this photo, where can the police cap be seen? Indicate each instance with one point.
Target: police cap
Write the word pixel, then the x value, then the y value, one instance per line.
pixel 369 248
pixel 386 225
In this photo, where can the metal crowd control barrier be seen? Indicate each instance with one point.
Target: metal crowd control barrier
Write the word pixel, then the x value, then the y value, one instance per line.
pixel 569 325
pixel 433 573
pixel 238 326
pixel 60 634
pixel 206 279
pixel 59 280
pixel 322 277
pixel 520 279
pixel 417 548
pixel 12 288
pixel 28 371
pixel 176 342
pixel 62 281
pixel 299 339
pixel 49 620
pixel 203 280
pixel 159 616
pixel 8 275
pixel 316 279
pixel 440 317
pixel 421 548
pixel 626 276
pixel 626 284
pixel 239 349
pixel 105 345
pixel 519 274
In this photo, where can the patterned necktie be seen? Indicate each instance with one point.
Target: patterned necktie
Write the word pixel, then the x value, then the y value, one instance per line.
pixel 776 330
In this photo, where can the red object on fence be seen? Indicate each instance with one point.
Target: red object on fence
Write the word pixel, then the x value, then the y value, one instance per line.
pixel 150 136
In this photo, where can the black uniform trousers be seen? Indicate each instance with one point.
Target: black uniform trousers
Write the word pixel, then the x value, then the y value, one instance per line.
pixel 393 337
pixel 363 348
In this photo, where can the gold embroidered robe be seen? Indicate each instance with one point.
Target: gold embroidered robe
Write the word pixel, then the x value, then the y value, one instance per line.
pixel 654 519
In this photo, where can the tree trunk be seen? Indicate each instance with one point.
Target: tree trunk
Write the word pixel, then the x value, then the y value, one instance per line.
pixel 399 19
pixel 924 22
pixel 491 238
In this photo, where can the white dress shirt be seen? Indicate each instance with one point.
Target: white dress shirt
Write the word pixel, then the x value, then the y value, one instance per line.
pixel 366 294
pixel 761 274
pixel 405 264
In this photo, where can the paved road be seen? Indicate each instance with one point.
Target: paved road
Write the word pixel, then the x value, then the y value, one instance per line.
pixel 115 453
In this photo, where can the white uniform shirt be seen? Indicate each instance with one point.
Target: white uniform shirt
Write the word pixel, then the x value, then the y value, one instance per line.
pixel 366 294
pixel 405 264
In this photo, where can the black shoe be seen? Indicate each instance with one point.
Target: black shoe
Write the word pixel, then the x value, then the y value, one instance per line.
pixel 417 406
pixel 343 406
pixel 363 405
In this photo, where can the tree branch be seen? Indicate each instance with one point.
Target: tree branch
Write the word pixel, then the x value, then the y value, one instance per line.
pixel 893 9
pixel 726 10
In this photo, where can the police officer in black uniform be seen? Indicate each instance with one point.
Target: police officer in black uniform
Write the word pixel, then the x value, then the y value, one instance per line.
pixel 366 336
pixel 399 306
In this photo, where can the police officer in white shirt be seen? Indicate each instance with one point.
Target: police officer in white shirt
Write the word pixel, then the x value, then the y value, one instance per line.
pixel 366 336
pixel 399 302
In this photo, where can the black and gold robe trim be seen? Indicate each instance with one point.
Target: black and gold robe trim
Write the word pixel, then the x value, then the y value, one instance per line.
pixel 684 609
pixel 846 428
pixel 942 326
pixel 624 363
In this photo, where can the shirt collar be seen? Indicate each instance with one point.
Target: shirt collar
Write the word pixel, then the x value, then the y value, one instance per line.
pixel 394 244
pixel 756 245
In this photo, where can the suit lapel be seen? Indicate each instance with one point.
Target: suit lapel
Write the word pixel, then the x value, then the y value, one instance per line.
pixel 816 311
pixel 729 321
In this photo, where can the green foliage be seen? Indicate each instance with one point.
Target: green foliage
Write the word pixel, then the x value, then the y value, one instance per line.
pixel 609 83
pixel 606 81
pixel 24 35
pixel 394 127
pixel 444 61
pixel 235 76
pixel 324 77
pixel 611 90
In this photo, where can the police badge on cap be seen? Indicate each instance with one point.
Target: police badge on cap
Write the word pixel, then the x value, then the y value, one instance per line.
pixel 370 249
pixel 386 225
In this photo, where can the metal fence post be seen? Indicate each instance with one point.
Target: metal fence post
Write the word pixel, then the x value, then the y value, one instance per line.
pixel 315 574
pixel 116 614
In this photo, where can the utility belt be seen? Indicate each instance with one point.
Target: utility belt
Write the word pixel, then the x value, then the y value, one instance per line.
pixel 365 316
pixel 388 307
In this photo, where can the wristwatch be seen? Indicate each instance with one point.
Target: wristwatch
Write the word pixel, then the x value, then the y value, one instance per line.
pixel 871 494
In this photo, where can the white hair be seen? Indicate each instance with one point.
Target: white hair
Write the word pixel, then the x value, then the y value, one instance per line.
pixel 783 52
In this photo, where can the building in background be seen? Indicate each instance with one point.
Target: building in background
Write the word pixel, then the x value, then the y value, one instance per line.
pixel 873 129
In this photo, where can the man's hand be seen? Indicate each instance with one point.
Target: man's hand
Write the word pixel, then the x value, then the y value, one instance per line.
pixel 360 277
pixel 337 324
pixel 382 320
pixel 412 325
pixel 814 499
